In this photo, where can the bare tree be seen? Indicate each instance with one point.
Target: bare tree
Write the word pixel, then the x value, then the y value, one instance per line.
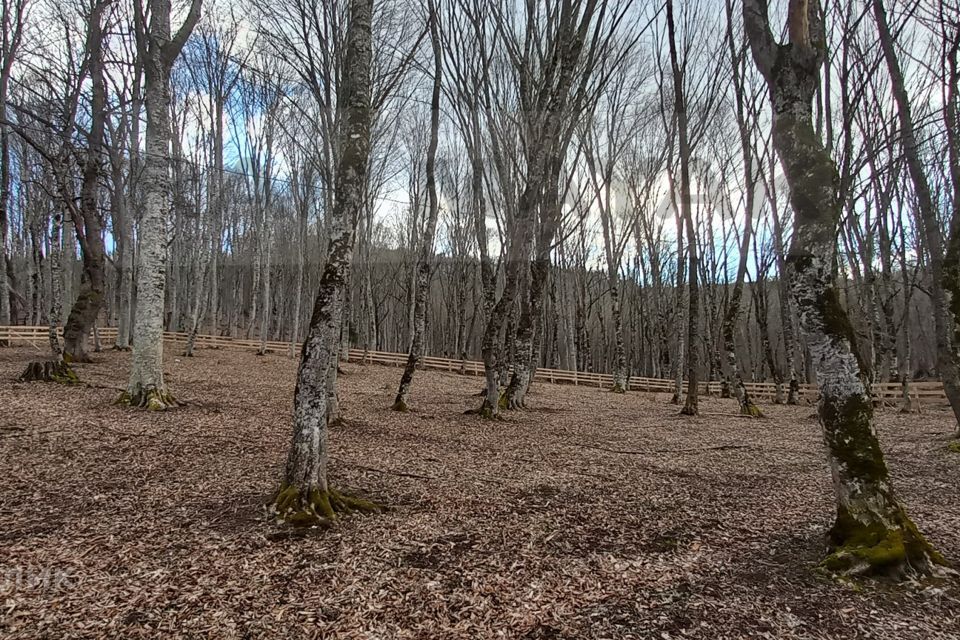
pixel 13 15
pixel 305 496
pixel 872 532
pixel 87 219
pixel 158 49
pixel 425 262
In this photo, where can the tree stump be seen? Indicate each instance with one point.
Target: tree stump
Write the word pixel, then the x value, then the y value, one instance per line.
pixel 49 371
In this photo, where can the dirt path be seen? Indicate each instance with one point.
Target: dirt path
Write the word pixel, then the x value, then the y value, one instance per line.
pixel 591 515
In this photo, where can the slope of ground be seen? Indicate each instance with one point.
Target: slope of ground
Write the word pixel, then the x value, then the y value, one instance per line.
pixel 590 515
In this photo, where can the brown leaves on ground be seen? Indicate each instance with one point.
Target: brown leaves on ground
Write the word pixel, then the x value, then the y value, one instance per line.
pixel 589 515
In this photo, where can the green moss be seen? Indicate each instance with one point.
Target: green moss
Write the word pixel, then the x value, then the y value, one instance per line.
pixel 149 399
pixel 954 447
pixel 875 549
pixel 886 552
pixel 322 508
pixel 851 438
pixel 49 371
pixel 752 410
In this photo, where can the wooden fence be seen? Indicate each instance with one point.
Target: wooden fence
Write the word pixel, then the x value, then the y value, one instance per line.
pixel 927 392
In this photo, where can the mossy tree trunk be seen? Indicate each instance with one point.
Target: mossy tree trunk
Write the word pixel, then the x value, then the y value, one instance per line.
pixel 86 218
pixel 516 259
pixel 305 496
pixel 527 329
pixel 426 258
pixel 872 533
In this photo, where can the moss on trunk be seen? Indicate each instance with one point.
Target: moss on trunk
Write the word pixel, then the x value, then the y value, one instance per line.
pixel 151 399
pixel 749 409
pixel 893 549
pixel 49 371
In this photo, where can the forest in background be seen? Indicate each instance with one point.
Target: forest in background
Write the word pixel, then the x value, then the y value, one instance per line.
pixel 253 131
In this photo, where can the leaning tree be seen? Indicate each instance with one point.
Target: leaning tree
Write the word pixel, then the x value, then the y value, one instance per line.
pixel 872 533
pixel 305 497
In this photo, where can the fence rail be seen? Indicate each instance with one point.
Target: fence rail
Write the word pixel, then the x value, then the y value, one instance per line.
pixel 927 392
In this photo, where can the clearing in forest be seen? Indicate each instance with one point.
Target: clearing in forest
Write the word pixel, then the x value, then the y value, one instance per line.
pixel 588 515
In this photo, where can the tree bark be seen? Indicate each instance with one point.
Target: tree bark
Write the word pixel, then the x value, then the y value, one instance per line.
pixel 872 533
pixel 425 262
pixel 146 387
pixel 86 218
pixel 305 497
pixel 691 405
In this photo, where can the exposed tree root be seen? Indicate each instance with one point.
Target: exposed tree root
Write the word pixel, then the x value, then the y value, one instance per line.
pixel 897 550
pixel 49 371
pixel 689 410
pixel 618 388
pixel 485 411
pixel 151 399
pixel 319 508
pixel 400 406
pixel 512 402
pixel 752 410
pixel 675 399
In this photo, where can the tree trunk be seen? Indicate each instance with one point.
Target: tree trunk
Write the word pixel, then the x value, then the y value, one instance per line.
pixel 146 387
pixel 872 533
pixel 945 288
pixel 621 376
pixel 88 225
pixel 690 407
pixel 425 262
pixel 305 497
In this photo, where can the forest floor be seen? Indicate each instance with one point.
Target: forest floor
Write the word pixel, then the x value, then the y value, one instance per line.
pixel 589 515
